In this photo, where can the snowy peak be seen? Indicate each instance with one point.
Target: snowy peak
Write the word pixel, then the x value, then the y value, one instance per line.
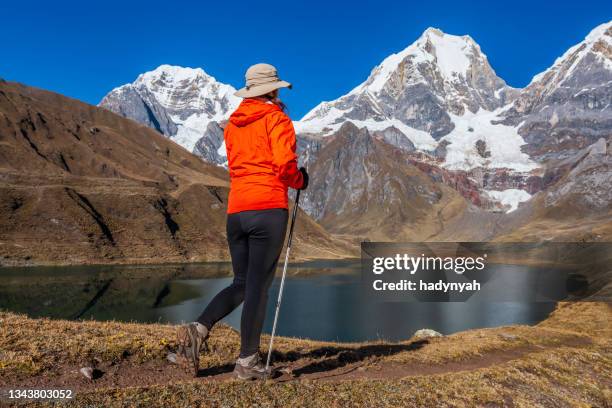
pixel 177 101
pixel 173 73
pixel 178 89
pixel 417 89
pixel 168 76
pixel 452 55
pixel 597 46
pixel 567 107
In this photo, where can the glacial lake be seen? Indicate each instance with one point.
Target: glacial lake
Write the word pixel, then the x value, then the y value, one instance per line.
pixel 323 300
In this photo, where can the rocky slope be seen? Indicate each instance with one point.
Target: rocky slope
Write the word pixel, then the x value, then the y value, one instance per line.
pixel 575 205
pixel 181 103
pixel 568 106
pixel 80 184
pixel 362 186
pixel 578 203
pixel 367 188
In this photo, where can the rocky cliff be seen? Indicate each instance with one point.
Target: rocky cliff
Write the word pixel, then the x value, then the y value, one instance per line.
pixel 362 186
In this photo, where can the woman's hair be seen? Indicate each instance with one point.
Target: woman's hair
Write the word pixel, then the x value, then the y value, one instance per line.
pixel 274 98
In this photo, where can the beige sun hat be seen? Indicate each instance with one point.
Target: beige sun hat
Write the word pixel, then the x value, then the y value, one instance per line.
pixel 261 79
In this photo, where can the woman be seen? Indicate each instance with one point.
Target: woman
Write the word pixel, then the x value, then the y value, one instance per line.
pixel 260 143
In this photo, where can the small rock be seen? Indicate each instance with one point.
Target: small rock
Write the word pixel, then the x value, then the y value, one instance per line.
pixel 171 357
pixel 426 333
pixel 286 370
pixel 87 372
pixel 507 336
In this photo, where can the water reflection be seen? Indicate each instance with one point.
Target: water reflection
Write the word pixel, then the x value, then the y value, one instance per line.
pixel 323 300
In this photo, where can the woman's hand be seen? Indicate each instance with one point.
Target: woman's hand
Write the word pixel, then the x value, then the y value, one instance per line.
pixel 304 177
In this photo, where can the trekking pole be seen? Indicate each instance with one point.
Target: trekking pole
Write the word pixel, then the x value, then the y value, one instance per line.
pixel 282 284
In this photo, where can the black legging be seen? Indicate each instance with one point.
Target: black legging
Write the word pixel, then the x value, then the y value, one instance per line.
pixel 255 241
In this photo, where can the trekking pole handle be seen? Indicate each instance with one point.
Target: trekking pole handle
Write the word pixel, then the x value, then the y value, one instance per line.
pixel 293 216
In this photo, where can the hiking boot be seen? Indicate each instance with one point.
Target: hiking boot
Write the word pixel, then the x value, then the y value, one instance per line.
pixel 251 368
pixel 192 339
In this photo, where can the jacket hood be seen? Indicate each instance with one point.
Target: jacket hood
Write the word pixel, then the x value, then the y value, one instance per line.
pixel 251 110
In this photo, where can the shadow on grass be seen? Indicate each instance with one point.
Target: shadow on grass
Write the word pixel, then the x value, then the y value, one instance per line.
pixel 217 370
pixel 331 358
pixel 325 358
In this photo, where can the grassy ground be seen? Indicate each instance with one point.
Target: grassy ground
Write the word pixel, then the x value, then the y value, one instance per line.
pixel 564 361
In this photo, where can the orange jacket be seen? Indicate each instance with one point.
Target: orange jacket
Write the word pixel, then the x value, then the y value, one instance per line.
pixel 260 143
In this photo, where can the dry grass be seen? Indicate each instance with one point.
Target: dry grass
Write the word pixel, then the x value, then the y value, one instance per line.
pixel 564 361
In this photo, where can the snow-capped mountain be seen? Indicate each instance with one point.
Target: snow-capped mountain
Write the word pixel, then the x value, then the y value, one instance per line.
pixel 568 106
pixel 439 90
pixel 179 102
pixel 439 101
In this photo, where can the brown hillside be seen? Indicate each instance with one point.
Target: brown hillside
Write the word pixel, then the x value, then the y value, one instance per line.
pixel 80 184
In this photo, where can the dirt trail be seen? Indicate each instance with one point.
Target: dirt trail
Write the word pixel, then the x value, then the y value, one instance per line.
pixel 324 364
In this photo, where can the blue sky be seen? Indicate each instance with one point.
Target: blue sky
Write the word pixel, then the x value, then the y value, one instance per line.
pixel 84 49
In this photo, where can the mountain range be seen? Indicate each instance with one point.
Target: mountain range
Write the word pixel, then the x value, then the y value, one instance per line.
pixel 432 146
pixel 435 112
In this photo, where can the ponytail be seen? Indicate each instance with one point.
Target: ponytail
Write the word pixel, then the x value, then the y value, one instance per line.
pixel 273 97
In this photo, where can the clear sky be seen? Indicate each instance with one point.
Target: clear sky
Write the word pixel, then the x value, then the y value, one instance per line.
pixel 83 49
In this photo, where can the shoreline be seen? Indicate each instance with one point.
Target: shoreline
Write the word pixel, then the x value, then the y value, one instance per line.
pixel 153 262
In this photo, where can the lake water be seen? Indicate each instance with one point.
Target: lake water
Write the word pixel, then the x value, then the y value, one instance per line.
pixel 323 300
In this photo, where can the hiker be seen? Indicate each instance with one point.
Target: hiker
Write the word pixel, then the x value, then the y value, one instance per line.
pixel 260 142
